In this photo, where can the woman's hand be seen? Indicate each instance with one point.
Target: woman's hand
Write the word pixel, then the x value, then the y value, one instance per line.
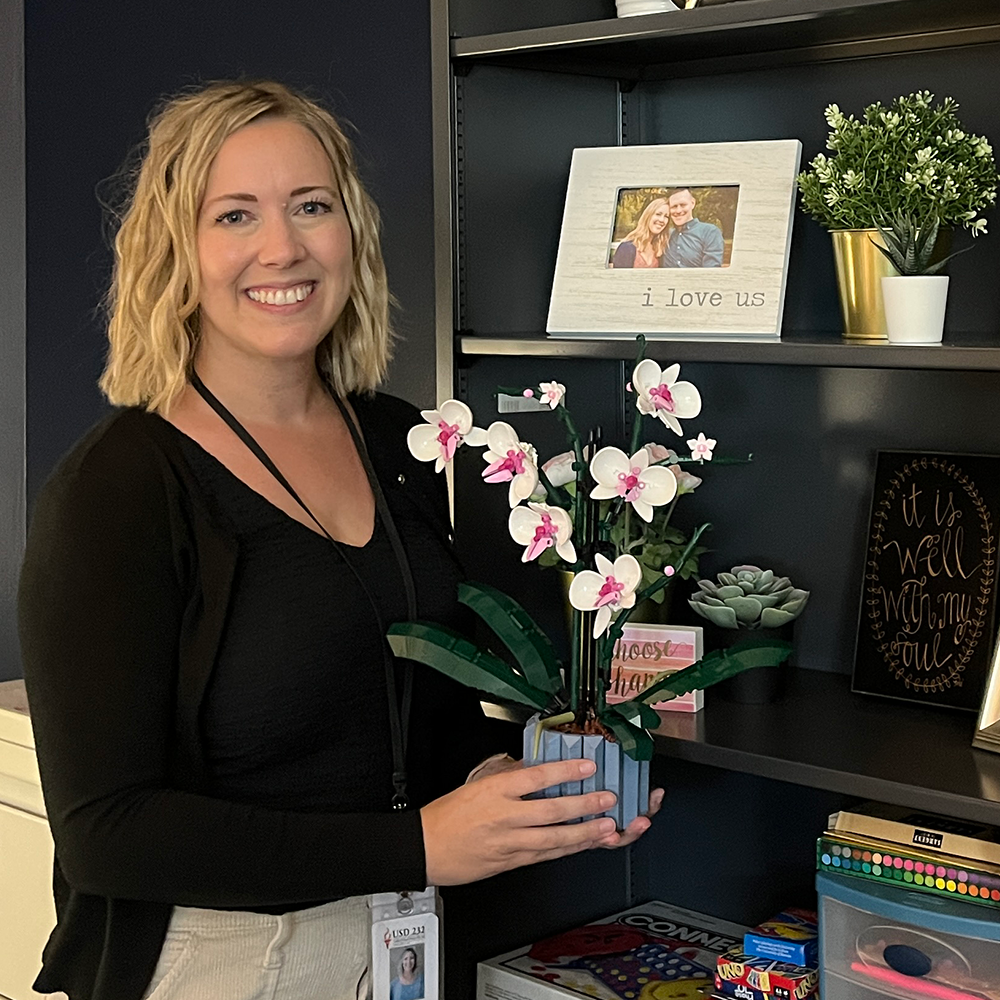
pixel 504 762
pixel 496 764
pixel 486 827
pixel 637 827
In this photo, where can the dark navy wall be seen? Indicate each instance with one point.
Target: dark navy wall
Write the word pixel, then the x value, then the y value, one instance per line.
pixel 12 501
pixel 94 71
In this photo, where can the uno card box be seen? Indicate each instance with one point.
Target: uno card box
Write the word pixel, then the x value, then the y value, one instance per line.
pixel 747 978
pixel 791 936
pixel 650 952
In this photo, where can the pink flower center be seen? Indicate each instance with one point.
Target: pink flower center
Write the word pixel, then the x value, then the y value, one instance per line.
pixel 610 592
pixel 546 529
pixel 662 399
pixel 630 485
pixel 448 431
pixel 545 538
pixel 449 439
pixel 514 462
pixel 503 470
pixel 701 448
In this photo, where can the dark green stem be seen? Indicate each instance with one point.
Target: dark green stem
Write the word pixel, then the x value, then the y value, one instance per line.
pixel 721 460
pixel 555 494
pixel 669 513
pixel 636 431
pixel 615 632
pixel 637 416
pixel 574 662
pixel 576 442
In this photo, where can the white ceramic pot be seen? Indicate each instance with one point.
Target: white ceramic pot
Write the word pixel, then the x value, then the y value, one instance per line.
pixel 914 308
pixel 628 8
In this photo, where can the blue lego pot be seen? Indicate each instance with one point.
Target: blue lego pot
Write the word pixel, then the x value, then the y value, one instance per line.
pixel 616 771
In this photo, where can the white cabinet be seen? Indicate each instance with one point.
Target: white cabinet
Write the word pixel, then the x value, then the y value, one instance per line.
pixel 27 913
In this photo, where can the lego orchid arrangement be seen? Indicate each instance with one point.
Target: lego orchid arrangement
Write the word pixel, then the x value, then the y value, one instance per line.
pixel 589 510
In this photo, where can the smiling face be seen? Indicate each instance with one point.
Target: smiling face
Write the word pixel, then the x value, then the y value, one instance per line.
pixel 408 962
pixel 681 207
pixel 274 244
pixel 659 220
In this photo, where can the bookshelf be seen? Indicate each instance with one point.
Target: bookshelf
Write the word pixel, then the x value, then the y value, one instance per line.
pixel 516 88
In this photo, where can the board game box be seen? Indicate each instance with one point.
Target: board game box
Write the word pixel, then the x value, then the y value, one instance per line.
pixel 655 951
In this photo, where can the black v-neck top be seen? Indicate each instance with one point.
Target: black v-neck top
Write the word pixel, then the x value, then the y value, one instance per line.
pixel 210 726
pixel 300 665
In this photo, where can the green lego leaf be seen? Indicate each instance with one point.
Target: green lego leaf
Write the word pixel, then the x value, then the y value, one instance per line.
pixel 636 742
pixel 636 712
pixel 518 632
pixel 717 666
pixel 453 655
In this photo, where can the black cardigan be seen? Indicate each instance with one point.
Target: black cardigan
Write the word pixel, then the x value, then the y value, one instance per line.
pixel 122 602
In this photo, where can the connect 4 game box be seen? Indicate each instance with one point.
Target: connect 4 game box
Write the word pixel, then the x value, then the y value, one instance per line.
pixel 651 952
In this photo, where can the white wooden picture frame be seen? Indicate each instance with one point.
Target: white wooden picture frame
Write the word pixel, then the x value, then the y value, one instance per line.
pixel 682 298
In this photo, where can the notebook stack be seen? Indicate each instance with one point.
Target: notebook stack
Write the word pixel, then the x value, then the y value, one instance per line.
pixel 913 850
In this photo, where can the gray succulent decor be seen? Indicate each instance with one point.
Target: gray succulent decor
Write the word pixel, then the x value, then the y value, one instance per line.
pixel 748 597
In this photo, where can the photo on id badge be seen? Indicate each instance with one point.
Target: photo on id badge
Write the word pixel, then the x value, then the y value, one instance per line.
pixel 407 967
pixel 404 958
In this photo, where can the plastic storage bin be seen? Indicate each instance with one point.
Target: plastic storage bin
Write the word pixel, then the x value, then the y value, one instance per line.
pixel 880 941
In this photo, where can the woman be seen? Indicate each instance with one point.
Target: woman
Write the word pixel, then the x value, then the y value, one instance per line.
pixel 221 729
pixel 644 246
pixel 409 984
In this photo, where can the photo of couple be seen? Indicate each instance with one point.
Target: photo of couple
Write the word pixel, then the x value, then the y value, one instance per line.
pixel 674 227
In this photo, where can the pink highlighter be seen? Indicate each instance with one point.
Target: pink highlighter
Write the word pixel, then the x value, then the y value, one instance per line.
pixel 913 983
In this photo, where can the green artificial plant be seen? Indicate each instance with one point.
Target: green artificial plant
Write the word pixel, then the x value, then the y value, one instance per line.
pixel 911 157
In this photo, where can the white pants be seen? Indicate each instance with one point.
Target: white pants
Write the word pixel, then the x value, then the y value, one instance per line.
pixel 321 953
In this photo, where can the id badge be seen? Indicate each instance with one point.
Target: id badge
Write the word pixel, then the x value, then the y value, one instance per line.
pixel 406 946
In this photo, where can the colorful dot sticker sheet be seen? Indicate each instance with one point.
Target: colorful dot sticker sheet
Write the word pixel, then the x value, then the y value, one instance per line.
pixel 942 876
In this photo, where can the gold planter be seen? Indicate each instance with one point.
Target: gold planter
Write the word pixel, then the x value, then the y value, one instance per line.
pixel 860 270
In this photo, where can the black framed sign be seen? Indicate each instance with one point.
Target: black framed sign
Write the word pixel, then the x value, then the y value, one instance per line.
pixel 926 632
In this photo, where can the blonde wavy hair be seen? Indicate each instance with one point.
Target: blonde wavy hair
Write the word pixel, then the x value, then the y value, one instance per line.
pixel 152 303
pixel 641 235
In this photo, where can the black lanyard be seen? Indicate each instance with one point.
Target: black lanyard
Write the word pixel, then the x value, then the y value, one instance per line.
pixel 399 719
